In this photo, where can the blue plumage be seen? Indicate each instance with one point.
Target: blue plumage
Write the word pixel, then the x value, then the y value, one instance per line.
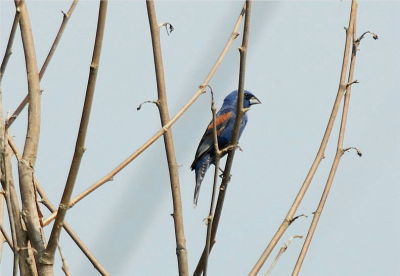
pixel 225 122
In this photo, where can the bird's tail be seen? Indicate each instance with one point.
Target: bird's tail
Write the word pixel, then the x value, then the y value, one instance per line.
pixel 200 170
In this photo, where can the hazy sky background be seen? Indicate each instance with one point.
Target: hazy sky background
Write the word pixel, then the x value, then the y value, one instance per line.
pixel 293 67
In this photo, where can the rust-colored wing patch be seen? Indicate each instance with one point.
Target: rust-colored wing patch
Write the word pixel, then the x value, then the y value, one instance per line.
pixel 220 119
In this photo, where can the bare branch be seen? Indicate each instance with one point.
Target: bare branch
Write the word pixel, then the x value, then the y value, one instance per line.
pixel 108 177
pixel 339 149
pixel 64 267
pixel 7 238
pixel 321 151
pixel 10 42
pixel 239 113
pixel 53 48
pixel 217 157
pixel 181 250
pixel 27 163
pixel 48 258
pixel 6 169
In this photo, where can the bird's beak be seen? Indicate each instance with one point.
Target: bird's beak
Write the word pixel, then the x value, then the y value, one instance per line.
pixel 254 100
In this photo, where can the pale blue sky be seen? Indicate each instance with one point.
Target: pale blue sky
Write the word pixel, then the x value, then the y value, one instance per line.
pixel 294 59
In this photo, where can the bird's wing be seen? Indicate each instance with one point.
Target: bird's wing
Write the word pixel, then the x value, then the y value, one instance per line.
pixel 207 141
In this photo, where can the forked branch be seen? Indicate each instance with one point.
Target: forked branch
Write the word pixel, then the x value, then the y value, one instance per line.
pixel 321 151
pixel 339 154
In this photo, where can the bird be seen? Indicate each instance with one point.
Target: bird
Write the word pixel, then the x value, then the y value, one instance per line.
pixel 225 122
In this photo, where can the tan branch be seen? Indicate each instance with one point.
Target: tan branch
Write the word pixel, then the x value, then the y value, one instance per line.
pixel 108 177
pixel 27 163
pixel 18 234
pixel 339 152
pixel 235 138
pixel 321 151
pixel 10 42
pixel 7 239
pixel 6 169
pixel 53 48
pixel 64 266
pixel 181 250
pixel 47 259
pixel 217 157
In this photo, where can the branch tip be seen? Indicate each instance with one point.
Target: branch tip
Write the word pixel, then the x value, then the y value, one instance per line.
pixel 145 102
pixel 168 27
pixel 351 83
pixel 359 153
pixel 374 36
pixel 296 217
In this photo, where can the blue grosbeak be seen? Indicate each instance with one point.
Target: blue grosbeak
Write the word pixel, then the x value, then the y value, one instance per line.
pixel 225 122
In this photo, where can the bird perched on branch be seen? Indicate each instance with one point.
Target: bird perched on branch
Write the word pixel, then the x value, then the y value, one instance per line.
pixel 225 123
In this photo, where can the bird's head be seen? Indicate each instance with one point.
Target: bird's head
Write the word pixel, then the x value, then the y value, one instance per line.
pixel 248 100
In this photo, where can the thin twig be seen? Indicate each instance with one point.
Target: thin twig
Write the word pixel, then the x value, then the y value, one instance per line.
pixel 64 266
pixel 235 138
pixel 7 238
pixel 48 258
pixel 339 153
pixel 281 251
pixel 5 160
pixel 53 48
pixel 108 177
pixel 27 164
pixel 181 250
pixel 217 157
pixel 320 154
pixel 10 42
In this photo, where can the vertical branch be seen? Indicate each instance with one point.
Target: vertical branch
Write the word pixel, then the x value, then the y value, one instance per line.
pixel 217 157
pixel 27 163
pixel 47 259
pixel 168 141
pixel 20 246
pixel 239 113
pixel 6 187
pixel 4 177
pixel 321 151
pixel 53 48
